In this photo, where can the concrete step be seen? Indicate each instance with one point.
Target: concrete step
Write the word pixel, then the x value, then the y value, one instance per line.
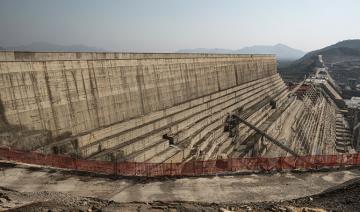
pixel 256 113
pixel 148 152
pixel 163 156
pixel 192 141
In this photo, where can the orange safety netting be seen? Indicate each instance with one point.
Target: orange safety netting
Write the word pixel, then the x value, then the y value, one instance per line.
pixel 191 168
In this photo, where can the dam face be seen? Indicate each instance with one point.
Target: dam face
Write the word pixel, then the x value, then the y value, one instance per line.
pixel 144 107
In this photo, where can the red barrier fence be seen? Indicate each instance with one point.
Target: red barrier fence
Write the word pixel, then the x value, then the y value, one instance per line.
pixel 192 168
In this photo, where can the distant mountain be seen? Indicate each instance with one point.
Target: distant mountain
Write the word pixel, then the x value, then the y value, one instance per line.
pixel 49 47
pixel 340 53
pixel 2 49
pixel 281 51
pixel 209 51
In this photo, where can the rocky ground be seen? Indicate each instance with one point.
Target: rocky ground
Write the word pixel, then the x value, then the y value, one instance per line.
pixel 30 188
pixel 341 198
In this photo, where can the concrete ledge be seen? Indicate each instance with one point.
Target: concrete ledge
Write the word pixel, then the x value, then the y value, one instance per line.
pixel 47 56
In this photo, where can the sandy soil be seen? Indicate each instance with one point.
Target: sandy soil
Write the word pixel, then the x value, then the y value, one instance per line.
pixel 28 188
pixel 341 198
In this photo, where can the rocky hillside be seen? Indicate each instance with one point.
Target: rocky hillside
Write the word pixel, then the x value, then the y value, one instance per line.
pixel 343 53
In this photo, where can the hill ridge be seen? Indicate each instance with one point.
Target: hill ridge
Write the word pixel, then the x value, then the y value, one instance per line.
pixel 340 52
pixel 282 51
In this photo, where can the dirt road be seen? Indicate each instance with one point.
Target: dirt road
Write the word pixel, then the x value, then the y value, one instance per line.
pixel 221 189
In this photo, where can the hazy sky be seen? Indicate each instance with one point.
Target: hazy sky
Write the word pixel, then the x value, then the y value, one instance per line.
pixel 169 25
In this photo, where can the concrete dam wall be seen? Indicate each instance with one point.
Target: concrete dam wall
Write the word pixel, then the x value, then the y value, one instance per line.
pixel 138 106
pixel 81 95
pixel 92 94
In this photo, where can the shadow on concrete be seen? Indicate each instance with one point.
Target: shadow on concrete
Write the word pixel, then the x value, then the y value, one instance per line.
pixel 20 137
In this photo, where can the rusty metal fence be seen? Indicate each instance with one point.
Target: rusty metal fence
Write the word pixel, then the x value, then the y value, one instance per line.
pixel 192 168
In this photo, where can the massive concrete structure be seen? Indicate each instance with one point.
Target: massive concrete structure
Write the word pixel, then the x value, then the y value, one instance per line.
pixel 152 107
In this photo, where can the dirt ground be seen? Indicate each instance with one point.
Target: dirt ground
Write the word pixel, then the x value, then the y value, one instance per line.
pixel 341 198
pixel 24 188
